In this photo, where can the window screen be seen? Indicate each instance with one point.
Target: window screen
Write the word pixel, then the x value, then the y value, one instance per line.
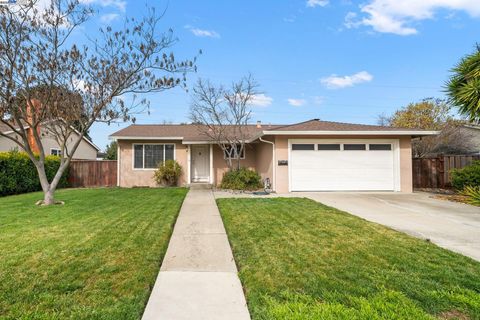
pixel 297 146
pixel 354 147
pixel 169 149
pixel 378 147
pixel 153 155
pixel 328 147
pixel 138 156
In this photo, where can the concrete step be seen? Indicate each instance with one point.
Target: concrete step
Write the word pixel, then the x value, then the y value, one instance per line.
pixel 200 186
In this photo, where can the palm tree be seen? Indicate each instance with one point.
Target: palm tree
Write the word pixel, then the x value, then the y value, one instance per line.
pixel 463 87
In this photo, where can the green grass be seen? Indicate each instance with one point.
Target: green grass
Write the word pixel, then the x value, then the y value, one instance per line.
pixel 299 259
pixel 96 257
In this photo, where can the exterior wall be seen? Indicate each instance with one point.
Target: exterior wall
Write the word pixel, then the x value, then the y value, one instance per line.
pixel 130 177
pixel 264 160
pixel 7 145
pixel 258 156
pixel 85 151
pixel 220 165
pixel 281 153
pixel 406 170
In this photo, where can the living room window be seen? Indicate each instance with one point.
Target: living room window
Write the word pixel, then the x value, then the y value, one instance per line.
pixel 148 156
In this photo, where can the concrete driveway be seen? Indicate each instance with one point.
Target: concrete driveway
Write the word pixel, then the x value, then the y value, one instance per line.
pixel 450 225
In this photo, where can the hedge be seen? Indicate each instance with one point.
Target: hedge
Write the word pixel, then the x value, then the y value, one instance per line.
pixel 241 179
pixel 19 175
pixel 467 176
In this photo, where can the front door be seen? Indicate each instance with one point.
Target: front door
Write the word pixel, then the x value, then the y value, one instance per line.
pixel 200 163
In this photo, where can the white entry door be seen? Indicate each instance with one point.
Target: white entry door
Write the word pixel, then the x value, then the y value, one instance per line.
pixel 343 165
pixel 200 159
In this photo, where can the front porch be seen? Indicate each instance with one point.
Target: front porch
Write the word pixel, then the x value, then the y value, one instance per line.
pixel 206 163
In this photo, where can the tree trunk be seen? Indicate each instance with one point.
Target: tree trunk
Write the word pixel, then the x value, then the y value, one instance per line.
pixel 50 188
pixel 49 197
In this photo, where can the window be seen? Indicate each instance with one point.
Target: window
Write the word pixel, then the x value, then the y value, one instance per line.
pixel 380 147
pixel 322 147
pixel 354 147
pixel 148 156
pixel 227 153
pixel 55 152
pixel 303 147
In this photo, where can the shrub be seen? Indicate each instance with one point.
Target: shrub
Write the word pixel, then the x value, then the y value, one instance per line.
pixel 19 175
pixel 241 179
pixel 168 173
pixel 467 176
pixel 473 194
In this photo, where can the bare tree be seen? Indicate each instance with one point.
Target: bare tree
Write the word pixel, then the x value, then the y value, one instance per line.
pixel 48 83
pixel 223 114
pixel 451 140
pixel 431 114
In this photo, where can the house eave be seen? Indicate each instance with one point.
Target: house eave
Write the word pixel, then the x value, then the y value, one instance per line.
pixel 116 138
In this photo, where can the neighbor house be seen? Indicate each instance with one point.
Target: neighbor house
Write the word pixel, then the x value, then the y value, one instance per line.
pixel 86 150
pixel 472 131
pixel 308 156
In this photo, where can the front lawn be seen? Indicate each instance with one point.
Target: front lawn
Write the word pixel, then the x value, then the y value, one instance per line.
pixel 96 257
pixel 299 259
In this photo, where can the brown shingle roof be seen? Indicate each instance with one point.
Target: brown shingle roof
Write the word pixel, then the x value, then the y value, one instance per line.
pixel 191 132
pixel 318 125
pixel 188 132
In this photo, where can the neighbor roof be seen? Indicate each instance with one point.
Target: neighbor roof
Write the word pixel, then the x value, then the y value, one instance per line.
pixel 4 128
pixel 194 132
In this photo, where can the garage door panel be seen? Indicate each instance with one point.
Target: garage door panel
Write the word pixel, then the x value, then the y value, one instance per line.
pixel 342 170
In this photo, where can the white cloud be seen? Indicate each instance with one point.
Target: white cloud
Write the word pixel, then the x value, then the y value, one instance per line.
pixel 337 82
pixel 399 17
pixel 351 20
pixel 261 100
pixel 109 17
pixel 296 102
pixel 317 3
pixel 119 4
pixel 202 32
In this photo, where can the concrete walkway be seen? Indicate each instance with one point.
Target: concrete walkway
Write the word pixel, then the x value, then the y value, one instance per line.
pixel 198 278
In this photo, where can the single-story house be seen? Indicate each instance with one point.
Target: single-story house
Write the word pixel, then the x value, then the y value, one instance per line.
pixel 86 150
pixel 472 131
pixel 309 156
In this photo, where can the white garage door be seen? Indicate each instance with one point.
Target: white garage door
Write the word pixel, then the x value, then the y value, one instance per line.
pixel 342 165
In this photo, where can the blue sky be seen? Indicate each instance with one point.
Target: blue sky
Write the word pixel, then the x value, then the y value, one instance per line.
pixel 334 60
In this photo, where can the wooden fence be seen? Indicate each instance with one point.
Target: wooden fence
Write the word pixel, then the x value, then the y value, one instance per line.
pixel 436 172
pixel 92 173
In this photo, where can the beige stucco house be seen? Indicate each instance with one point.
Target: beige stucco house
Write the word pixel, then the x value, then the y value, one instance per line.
pixel 309 156
pixel 86 150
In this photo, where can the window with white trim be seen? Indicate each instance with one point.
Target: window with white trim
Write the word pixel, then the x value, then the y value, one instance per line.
pixel 56 152
pixel 149 156
pixel 227 153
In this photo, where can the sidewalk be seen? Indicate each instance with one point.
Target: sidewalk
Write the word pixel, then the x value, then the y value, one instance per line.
pixel 198 278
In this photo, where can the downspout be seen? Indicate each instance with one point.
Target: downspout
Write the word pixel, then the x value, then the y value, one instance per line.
pixel 274 171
